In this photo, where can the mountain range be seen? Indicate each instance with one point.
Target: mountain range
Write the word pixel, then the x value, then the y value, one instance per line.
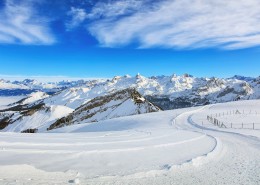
pixel 54 105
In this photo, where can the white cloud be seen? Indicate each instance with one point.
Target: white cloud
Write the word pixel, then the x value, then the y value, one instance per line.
pixel 19 24
pixel 78 15
pixel 102 10
pixel 232 24
pixel 115 8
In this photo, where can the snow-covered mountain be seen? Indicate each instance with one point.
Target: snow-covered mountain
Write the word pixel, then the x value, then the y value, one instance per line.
pixel 27 86
pixel 244 78
pixel 38 112
pixel 121 103
pixel 33 97
pixel 168 92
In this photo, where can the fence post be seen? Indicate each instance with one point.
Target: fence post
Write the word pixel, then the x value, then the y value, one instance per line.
pixel 253 126
pixel 242 125
pixel 231 125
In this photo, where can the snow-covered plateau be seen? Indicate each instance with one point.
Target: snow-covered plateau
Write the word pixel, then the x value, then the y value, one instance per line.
pixel 181 146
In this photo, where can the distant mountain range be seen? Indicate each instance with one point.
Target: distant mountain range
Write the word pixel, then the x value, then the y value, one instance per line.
pixel 168 92
pixel 53 105
pixel 27 86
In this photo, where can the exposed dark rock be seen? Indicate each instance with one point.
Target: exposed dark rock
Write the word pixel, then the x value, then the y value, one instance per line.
pixel 4 122
pixel 30 130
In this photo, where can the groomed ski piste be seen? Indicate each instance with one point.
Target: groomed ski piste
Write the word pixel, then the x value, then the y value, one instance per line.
pixel 170 147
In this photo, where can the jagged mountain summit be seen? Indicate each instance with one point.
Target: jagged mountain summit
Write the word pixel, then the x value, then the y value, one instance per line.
pixel 40 115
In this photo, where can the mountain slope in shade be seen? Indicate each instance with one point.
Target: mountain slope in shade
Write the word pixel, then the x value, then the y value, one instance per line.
pixel 121 103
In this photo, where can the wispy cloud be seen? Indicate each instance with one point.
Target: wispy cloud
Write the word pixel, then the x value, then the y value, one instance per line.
pixel 115 8
pixel 180 24
pixel 109 9
pixel 78 15
pixel 20 24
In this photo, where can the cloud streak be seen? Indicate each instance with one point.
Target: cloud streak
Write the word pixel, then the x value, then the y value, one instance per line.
pixel 78 15
pixel 182 24
pixel 115 8
pixel 19 24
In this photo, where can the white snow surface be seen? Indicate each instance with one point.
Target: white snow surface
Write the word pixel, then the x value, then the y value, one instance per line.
pixel 170 147
pixel 6 100
pixel 40 120
pixel 35 96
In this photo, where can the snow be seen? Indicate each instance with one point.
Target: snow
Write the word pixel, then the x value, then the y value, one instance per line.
pixel 235 114
pixel 35 96
pixel 46 116
pixel 40 120
pixel 170 147
pixel 6 100
pixel 6 85
pixel 188 87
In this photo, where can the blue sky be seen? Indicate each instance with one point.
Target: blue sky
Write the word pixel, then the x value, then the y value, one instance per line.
pixel 103 38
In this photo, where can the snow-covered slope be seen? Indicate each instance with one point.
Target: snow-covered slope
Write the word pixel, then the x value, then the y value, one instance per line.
pixel 166 147
pixel 39 111
pixel 32 98
pixel 37 121
pixel 121 103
